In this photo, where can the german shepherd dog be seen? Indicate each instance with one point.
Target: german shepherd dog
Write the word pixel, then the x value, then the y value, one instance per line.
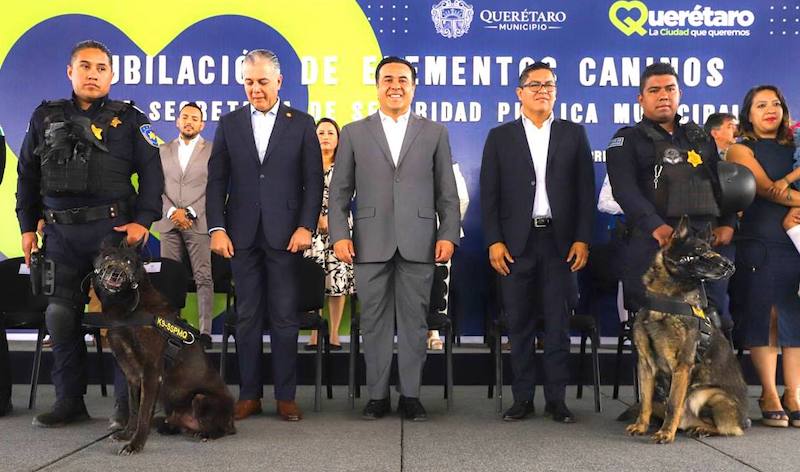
pixel 706 397
pixel 195 398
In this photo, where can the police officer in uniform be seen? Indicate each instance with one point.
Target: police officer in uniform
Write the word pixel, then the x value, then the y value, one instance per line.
pixel 660 170
pixel 75 170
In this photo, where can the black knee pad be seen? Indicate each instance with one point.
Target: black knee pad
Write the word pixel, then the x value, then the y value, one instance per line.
pixel 63 320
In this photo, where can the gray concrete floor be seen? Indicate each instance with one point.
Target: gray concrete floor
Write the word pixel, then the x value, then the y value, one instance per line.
pixel 470 437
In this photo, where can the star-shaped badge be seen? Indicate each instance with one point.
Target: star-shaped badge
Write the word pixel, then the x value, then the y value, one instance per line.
pixel 115 122
pixel 694 159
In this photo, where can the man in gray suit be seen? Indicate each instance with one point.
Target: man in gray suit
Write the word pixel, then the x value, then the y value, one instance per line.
pixel 399 166
pixel 183 224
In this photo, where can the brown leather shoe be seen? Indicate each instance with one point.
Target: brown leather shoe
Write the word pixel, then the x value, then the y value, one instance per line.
pixel 245 408
pixel 289 411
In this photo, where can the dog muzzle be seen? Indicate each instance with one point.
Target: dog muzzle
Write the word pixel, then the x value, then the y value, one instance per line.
pixel 709 266
pixel 113 278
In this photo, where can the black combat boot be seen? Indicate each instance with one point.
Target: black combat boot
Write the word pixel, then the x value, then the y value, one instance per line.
pixel 66 411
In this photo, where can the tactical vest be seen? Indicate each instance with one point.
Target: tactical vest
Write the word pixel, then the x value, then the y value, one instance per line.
pixel 75 160
pixel 682 178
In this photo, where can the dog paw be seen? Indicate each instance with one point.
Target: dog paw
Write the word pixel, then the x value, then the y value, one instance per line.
pixel 122 435
pixel 636 429
pixel 700 432
pixel 130 449
pixel 663 437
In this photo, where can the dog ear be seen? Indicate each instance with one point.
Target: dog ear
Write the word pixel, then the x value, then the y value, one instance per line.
pixel 682 231
pixel 706 234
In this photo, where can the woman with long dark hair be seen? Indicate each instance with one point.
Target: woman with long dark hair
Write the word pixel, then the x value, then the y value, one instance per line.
pixel 767 262
pixel 338 274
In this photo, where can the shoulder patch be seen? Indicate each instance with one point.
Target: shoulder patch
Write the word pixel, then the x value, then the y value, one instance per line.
pixel 616 142
pixel 150 136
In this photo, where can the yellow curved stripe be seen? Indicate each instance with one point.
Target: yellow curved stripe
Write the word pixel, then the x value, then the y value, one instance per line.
pixel 313 28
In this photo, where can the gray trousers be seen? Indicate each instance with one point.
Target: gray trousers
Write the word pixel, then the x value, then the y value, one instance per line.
pixel 394 291
pixel 198 247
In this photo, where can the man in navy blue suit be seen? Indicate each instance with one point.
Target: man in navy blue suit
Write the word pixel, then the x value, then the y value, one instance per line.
pixel 266 161
pixel 537 206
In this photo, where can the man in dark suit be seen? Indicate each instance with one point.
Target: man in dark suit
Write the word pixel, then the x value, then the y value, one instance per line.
pixel 266 160
pixel 537 206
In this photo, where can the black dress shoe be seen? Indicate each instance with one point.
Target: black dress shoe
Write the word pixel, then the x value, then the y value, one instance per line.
pixel 69 410
pixel 519 410
pixel 5 406
pixel 411 409
pixel 376 409
pixel 559 412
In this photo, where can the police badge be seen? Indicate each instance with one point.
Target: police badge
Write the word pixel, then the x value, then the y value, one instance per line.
pixel 452 18
pixel 672 156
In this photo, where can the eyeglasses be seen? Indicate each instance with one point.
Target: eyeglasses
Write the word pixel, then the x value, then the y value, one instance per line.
pixel 535 87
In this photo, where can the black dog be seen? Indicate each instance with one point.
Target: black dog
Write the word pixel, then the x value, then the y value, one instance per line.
pixel 674 339
pixel 195 398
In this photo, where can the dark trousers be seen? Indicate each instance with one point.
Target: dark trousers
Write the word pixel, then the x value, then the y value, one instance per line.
pixel 5 367
pixel 266 285
pixel 72 248
pixel 540 284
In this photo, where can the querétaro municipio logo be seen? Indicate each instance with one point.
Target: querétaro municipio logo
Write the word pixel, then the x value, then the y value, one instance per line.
pixel 452 18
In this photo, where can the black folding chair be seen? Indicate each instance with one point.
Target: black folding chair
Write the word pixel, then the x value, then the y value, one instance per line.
pixel 171 280
pixel 20 309
pixel 311 280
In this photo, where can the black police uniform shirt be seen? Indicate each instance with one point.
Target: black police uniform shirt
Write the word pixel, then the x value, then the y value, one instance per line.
pixel 128 137
pixel 630 161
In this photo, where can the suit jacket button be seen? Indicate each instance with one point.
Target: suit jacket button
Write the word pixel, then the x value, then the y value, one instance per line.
pixel 261 176
pixel 397 179
pixel 533 183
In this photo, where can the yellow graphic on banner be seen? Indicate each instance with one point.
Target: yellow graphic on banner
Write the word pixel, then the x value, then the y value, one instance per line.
pixel 628 24
pixel 343 31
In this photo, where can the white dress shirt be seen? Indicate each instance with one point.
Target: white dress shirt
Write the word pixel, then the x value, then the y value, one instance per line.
pixel 184 154
pixel 538 143
pixel 395 131
pixel 185 151
pixel 606 202
pixel 263 123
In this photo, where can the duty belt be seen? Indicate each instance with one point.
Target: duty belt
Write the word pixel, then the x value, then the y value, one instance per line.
pixel 541 221
pixel 73 216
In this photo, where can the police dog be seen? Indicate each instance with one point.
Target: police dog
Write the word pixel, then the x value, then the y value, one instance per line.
pixel 706 397
pixel 195 398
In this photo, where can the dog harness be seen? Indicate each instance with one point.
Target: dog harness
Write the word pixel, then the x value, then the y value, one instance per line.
pixel 178 333
pixel 695 313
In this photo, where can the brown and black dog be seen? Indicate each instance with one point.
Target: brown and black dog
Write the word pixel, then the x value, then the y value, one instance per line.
pixel 195 398
pixel 706 396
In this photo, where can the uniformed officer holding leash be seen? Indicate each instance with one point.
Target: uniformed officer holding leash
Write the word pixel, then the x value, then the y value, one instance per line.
pixel 661 170
pixel 75 169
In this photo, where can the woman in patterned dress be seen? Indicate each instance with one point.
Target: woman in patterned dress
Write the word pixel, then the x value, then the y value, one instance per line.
pixel 338 274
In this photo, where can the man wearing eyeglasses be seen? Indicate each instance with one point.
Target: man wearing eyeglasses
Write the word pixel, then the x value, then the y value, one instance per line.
pixel 537 205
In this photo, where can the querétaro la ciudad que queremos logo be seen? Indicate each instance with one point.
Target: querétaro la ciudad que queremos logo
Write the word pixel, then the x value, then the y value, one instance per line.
pixel 452 18
pixel 634 17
